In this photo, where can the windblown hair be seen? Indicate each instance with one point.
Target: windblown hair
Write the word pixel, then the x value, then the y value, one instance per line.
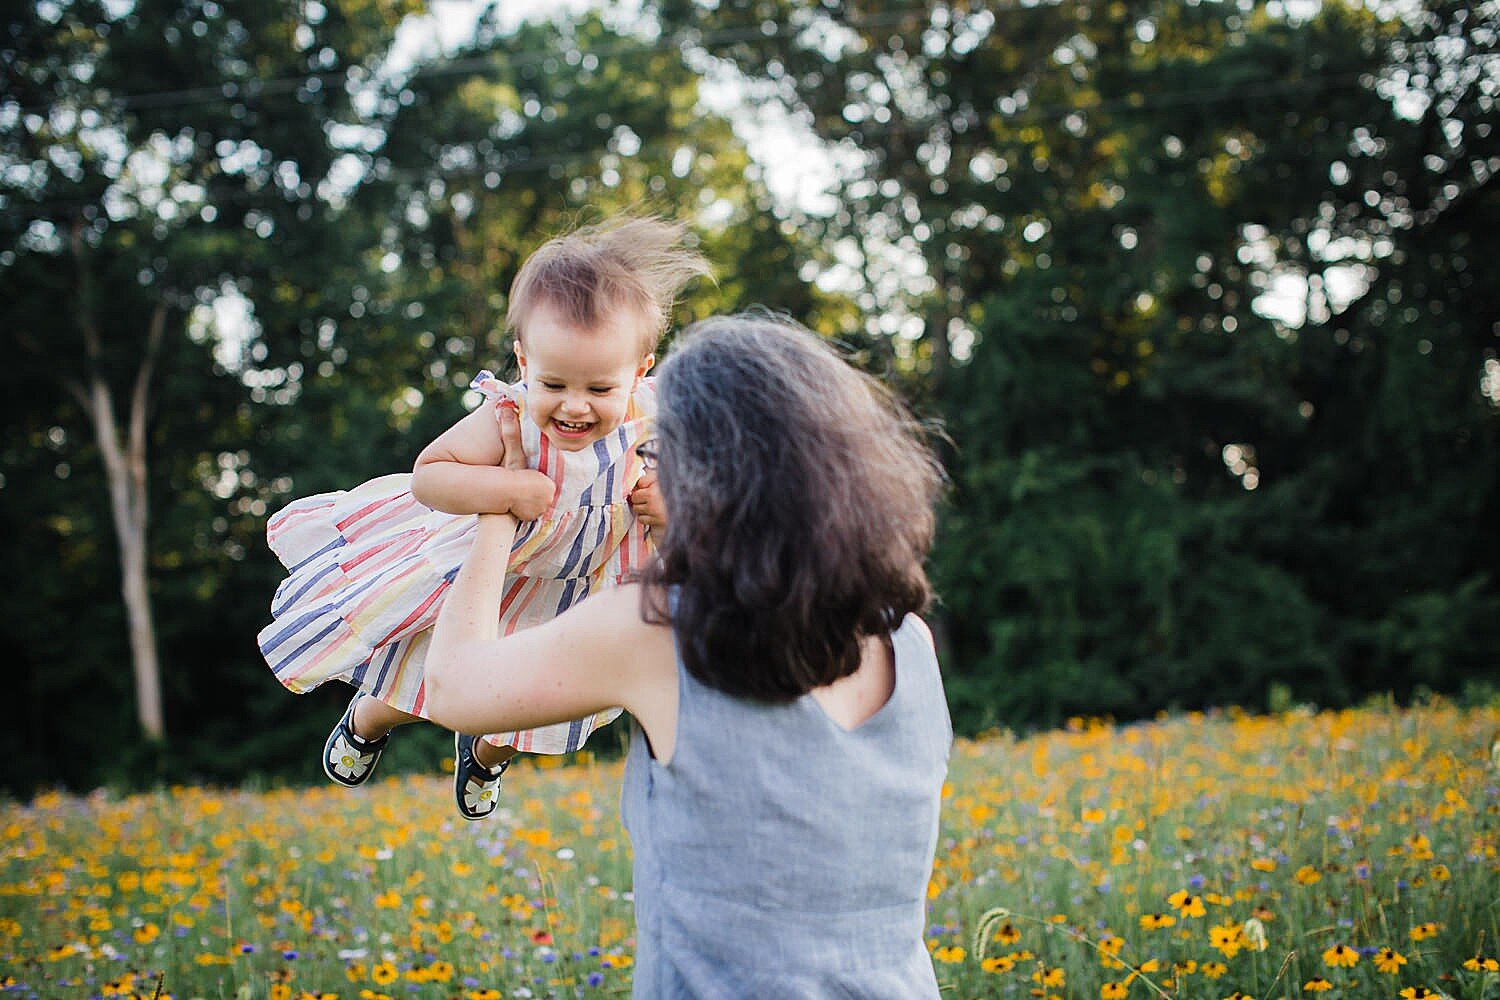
pixel 638 263
pixel 801 495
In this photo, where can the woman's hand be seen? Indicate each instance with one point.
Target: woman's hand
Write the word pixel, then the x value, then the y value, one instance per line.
pixel 534 492
pixel 646 502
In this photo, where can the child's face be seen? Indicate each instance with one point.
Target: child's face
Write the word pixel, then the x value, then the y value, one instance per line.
pixel 578 382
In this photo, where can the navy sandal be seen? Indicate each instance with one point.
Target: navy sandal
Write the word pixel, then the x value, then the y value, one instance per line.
pixel 348 758
pixel 476 788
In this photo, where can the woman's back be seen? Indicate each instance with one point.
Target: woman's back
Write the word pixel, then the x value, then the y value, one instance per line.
pixel 778 854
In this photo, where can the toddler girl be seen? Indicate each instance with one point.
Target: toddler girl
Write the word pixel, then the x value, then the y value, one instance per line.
pixel 369 568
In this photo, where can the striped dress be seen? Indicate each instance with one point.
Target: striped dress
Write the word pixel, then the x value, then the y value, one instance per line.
pixel 368 568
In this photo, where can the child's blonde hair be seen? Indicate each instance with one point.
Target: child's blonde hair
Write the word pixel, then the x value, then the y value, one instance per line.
pixel 638 262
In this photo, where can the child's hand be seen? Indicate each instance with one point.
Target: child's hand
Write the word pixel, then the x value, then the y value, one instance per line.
pixel 647 504
pixel 534 495
pixel 534 491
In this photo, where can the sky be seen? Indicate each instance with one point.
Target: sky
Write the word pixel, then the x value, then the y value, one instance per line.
pixel 796 168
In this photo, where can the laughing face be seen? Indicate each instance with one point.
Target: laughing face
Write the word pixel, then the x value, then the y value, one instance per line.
pixel 578 382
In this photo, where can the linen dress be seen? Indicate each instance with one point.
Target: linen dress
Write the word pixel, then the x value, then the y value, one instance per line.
pixel 780 855
pixel 368 568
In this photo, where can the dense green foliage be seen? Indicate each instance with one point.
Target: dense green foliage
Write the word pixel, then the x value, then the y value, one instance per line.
pixel 1205 294
pixel 1170 490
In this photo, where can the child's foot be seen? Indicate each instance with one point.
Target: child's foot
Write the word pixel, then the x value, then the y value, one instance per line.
pixel 348 758
pixel 476 788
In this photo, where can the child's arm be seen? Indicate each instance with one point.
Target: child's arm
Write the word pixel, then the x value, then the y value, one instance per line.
pixel 461 473
pixel 598 654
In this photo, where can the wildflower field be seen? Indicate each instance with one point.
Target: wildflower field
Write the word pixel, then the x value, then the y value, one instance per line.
pixel 1348 854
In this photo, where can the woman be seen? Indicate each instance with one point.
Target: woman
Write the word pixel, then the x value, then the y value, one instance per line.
pixel 783 783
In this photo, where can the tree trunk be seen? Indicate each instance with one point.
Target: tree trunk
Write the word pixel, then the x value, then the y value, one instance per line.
pixel 124 457
pixel 125 471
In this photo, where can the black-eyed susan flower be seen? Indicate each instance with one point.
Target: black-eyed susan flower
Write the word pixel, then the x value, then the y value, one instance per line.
pixel 1388 961
pixel 1317 984
pixel 998 964
pixel 1481 964
pixel 1227 938
pixel 1113 991
pixel 1007 934
pixel 383 974
pixel 1440 873
pixel 1157 921
pixel 1213 970
pixel 1417 993
pixel 1419 847
pixel 949 954
pixel 1109 950
pixel 1308 875
pixel 1341 956
pixel 1050 979
pixel 1186 904
pixel 1423 931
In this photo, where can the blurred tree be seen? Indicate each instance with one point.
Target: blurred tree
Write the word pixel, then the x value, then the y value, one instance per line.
pixel 149 151
pixel 1142 227
pixel 327 238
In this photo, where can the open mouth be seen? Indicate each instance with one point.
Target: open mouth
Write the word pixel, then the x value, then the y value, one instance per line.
pixel 571 429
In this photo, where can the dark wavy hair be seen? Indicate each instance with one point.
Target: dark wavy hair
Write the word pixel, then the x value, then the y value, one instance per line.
pixel 800 494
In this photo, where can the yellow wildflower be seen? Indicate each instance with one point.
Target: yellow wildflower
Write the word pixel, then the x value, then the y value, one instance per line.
pixel 1341 955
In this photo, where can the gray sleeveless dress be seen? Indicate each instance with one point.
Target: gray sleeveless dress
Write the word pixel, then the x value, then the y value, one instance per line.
pixel 779 855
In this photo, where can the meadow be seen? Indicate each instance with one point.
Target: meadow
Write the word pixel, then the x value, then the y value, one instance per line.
pixel 1342 854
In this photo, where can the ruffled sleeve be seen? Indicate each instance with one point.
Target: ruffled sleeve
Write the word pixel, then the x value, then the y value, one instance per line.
pixel 496 391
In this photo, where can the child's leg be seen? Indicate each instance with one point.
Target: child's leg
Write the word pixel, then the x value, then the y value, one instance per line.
pixel 491 756
pixel 373 718
pixel 477 768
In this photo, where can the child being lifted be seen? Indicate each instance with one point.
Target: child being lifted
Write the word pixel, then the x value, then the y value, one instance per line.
pixel 369 567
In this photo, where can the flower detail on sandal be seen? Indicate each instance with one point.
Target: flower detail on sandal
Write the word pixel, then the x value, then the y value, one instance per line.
pixel 349 759
pixel 476 788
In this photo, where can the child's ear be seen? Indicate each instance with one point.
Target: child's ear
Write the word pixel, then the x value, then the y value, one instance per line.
pixel 520 357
